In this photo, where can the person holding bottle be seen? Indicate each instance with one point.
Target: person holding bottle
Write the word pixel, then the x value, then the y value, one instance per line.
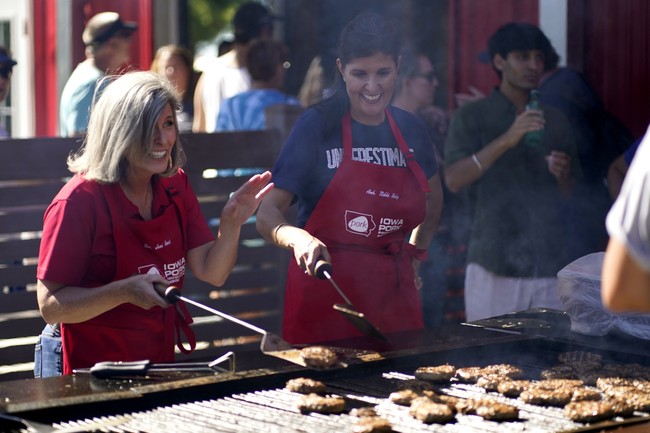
pixel 517 188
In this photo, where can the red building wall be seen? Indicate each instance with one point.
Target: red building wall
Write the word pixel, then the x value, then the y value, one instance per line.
pixel 609 41
pixel 45 77
pixel 471 23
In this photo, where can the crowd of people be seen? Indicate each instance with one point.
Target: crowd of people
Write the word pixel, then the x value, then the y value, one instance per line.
pixel 426 215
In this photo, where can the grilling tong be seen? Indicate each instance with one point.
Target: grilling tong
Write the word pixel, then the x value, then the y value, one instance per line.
pixel 323 270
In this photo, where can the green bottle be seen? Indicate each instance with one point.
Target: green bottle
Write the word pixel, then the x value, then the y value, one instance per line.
pixel 534 138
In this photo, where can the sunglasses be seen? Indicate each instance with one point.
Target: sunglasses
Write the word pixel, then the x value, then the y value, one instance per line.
pixel 429 76
pixel 5 72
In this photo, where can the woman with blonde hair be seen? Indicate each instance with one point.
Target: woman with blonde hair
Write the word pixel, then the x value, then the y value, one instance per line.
pixel 127 220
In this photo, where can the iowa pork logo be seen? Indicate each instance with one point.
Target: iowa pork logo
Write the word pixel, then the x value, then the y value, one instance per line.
pixel 359 223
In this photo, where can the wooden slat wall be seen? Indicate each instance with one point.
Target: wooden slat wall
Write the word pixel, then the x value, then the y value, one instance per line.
pixel 37 170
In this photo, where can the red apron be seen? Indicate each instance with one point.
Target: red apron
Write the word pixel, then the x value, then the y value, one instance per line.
pixel 364 218
pixel 128 332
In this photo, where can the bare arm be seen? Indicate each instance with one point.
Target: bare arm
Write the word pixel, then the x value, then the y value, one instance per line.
pixel 468 170
pixel 423 234
pixel 274 227
pixel 68 304
pixel 198 124
pixel 625 284
pixel 213 261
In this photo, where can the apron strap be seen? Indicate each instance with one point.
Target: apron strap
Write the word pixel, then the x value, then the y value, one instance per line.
pixel 180 209
pixel 182 325
pixel 183 316
pixel 411 162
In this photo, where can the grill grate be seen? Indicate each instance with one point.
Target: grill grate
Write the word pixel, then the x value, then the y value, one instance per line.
pixel 274 410
pixel 270 408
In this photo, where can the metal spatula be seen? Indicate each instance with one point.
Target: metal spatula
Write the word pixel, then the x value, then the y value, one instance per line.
pixel 323 270
pixel 271 344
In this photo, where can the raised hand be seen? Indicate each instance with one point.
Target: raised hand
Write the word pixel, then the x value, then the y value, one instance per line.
pixel 243 203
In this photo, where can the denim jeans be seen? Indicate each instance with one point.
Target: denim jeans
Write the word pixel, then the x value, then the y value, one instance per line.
pixel 48 353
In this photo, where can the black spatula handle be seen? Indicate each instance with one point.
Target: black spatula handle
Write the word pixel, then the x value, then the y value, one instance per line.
pixel 171 293
pixel 323 267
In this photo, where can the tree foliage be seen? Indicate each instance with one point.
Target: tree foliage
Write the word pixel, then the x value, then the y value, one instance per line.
pixel 207 18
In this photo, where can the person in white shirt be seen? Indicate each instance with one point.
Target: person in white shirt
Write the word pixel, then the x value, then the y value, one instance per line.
pixel 228 75
pixel 626 268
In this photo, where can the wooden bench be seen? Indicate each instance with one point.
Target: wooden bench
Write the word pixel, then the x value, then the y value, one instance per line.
pixel 33 170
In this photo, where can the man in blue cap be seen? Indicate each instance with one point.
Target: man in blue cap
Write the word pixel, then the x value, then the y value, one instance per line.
pixel 107 38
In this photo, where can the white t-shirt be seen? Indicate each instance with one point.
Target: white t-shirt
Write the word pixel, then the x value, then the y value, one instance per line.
pixel 221 80
pixel 629 219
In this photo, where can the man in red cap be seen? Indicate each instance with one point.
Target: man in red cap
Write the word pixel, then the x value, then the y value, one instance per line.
pixel 107 38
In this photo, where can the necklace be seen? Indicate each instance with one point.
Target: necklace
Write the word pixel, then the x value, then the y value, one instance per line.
pixel 143 202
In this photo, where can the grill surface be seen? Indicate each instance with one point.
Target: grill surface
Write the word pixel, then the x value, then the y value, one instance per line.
pixel 257 401
pixel 274 410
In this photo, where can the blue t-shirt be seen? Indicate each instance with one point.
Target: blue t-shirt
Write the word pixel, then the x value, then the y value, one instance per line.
pixel 245 111
pixel 77 99
pixel 309 158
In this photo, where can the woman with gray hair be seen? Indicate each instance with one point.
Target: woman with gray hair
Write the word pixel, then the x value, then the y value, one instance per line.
pixel 127 220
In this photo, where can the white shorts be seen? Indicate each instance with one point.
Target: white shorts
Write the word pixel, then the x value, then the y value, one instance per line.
pixel 490 295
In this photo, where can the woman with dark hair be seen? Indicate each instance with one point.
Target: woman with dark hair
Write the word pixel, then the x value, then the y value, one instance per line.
pixel 365 179
pixel 128 219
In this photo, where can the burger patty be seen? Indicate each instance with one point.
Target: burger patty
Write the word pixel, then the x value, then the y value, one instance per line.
pixel 513 388
pixel 491 382
pixel 589 411
pixel 496 411
pixel 304 385
pixel 439 373
pixel 404 397
pixel 638 399
pixel 318 356
pixel 546 397
pixel 488 409
pixel 469 374
pixel 429 412
pixel 319 404
pixel 372 424
pixel 363 412
pixel 472 374
pixel 586 394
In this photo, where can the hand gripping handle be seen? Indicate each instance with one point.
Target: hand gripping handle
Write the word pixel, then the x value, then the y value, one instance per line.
pixel 323 269
pixel 170 293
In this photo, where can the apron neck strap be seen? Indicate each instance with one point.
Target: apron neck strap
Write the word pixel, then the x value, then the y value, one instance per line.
pixel 411 162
